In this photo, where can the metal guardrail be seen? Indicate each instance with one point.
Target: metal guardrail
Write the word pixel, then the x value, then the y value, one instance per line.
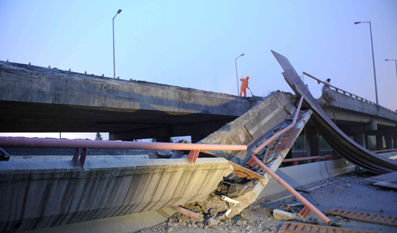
pixel 315 158
pixel 339 90
pixel 385 150
pixel 85 144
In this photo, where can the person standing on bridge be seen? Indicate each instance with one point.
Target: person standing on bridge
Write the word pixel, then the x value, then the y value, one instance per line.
pixel 244 86
pixel 327 84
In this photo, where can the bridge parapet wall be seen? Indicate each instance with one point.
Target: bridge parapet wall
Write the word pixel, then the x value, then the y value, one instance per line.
pixel 333 98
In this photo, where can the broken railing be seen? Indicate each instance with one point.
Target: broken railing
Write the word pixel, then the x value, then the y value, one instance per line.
pixel 307 205
pixel 85 144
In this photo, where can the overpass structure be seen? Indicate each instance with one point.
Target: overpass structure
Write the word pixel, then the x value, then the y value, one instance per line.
pixel 38 99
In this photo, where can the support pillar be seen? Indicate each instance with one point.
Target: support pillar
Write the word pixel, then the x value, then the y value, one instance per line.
pixel 389 142
pixel 379 141
pixel 360 138
pixel 312 141
pixel 394 142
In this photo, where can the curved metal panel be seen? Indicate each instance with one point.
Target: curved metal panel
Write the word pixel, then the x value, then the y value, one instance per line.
pixel 339 141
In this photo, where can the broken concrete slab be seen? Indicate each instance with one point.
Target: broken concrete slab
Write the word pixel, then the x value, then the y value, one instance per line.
pixel 38 194
pixel 252 129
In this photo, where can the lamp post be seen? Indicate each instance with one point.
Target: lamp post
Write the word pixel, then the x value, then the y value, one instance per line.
pixel 395 62
pixel 235 63
pixel 373 57
pixel 114 56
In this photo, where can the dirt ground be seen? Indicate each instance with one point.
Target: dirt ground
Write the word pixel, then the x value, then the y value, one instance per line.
pixel 349 192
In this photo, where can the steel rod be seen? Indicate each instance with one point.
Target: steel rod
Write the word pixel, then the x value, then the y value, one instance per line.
pixel 188 213
pixel 79 143
pixel 306 158
pixel 292 191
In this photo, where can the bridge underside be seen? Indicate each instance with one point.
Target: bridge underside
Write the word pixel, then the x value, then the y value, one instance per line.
pixel 122 125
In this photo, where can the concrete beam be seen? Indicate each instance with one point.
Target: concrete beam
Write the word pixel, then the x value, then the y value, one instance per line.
pixel 38 99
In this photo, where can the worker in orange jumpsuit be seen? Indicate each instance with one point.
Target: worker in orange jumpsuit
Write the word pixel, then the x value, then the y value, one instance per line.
pixel 244 86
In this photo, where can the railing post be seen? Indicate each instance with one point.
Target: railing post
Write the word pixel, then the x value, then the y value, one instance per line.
pixel 193 155
pixel 83 156
pixel 76 156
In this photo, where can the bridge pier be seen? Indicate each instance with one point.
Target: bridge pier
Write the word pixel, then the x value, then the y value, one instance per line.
pixel 389 141
pixel 379 141
pixel 360 138
pixel 312 139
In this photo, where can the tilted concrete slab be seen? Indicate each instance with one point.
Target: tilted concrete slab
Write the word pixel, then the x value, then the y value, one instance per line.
pixel 38 99
pixel 37 194
pixel 254 127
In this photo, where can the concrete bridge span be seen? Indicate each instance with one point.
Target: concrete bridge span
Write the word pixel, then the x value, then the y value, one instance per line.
pixel 38 99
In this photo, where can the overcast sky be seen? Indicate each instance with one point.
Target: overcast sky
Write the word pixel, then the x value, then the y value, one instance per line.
pixel 194 43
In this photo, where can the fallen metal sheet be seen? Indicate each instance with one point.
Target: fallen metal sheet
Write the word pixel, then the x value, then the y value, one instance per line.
pixel 295 227
pixel 37 194
pixel 338 140
pixel 365 217
pixel 389 177
pixel 385 184
pixel 388 180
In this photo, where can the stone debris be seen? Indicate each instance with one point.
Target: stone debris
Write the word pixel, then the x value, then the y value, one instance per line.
pixel 283 215
pixel 212 222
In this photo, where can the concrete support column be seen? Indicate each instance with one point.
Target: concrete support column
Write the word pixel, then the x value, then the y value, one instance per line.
pixel 389 142
pixel 312 142
pixel 360 138
pixel 379 141
pixel 394 142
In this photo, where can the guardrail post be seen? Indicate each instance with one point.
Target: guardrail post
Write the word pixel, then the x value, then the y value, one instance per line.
pixel 76 156
pixel 193 155
pixel 80 158
pixel 83 156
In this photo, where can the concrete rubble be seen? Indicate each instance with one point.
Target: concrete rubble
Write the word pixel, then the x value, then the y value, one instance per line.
pixel 283 215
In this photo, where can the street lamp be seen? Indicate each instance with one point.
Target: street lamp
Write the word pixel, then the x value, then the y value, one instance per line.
pixel 373 57
pixel 235 63
pixel 395 62
pixel 114 56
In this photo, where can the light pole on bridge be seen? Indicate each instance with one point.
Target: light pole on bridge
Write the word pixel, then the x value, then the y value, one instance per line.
pixel 373 57
pixel 235 64
pixel 114 56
